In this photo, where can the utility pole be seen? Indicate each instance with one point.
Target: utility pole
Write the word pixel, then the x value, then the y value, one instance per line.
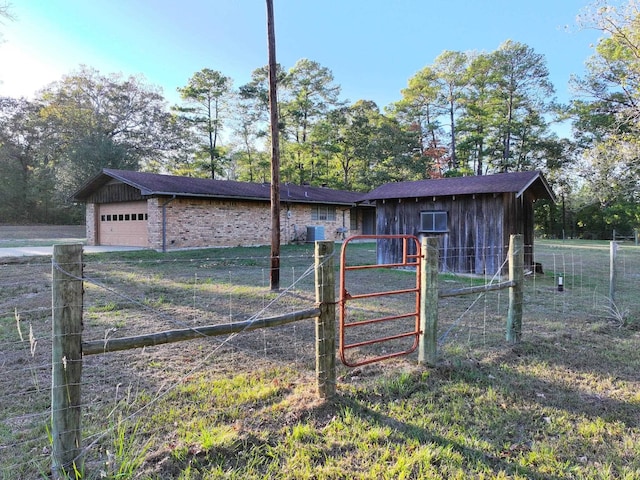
pixel 275 152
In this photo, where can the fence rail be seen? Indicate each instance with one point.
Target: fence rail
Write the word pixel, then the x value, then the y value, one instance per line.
pixel 172 336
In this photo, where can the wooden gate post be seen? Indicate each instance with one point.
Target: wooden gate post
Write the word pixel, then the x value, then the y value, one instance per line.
pixel 325 279
pixel 428 346
pixel 66 360
pixel 516 275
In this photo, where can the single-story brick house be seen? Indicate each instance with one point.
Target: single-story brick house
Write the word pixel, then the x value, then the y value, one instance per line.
pixel 473 217
pixel 165 212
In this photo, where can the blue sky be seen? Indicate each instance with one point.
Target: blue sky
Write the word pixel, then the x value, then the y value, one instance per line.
pixel 372 46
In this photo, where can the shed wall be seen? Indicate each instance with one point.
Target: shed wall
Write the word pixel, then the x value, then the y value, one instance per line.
pixel 478 229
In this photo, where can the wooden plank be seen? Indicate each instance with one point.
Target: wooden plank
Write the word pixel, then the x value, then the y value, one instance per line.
pixel 454 292
pixel 66 361
pixel 172 336
pixel 428 345
pixel 325 322
pixel 516 274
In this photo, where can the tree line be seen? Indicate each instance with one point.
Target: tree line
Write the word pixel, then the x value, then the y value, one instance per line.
pixel 467 113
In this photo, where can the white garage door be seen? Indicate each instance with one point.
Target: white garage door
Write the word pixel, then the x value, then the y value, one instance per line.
pixel 123 224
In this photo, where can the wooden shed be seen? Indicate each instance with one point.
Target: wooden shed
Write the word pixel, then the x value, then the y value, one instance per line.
pixel 473 217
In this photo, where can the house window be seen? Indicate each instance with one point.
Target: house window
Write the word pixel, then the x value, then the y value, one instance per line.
pixel 433 221
pixel 323 212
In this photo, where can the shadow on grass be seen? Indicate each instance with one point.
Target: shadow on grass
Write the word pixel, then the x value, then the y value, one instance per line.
pixel 585 378
pixel 472 457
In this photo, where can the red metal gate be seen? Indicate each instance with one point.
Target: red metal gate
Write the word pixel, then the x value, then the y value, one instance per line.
pixel 409 259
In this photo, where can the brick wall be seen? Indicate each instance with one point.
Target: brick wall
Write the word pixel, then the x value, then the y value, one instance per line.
pixel 228 223
pixel 91 223
pixel 194 223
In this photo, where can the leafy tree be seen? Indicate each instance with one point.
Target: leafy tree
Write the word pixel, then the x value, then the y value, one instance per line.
pixel 345 138
pixel 419 110
pixel 257 90
pixel 607 111
pixel 76 127
pixel 450 70
pixel 206 96
pixel 523 89
pixel 480 112
pixel 25 180
pixel 363 148
pixel 249 129
pixel 306 93
pixel 126 110
pixel 309 93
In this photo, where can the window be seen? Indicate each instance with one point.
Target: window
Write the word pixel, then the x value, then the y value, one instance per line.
pixel 433 221
pixel 323 212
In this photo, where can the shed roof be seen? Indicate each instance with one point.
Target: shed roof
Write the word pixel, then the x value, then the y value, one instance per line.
pixel 516 182
pixel 155 184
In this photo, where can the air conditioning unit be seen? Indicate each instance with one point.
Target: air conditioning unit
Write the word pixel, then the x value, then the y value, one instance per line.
pixel 314 233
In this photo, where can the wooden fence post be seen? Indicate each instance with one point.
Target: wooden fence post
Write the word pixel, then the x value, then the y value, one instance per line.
pixel 325 323
pixel 516 275
pixel 428 346
pixel 66 360
pixel 613 253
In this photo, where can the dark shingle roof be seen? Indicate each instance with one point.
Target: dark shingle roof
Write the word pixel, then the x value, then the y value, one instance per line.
pixel 517 182
pixel 151 184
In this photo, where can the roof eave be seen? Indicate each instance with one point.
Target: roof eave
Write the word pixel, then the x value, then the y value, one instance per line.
pixel 229 197
pixel 546 186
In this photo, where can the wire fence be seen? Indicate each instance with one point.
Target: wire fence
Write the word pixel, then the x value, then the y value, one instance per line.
pixel 190 389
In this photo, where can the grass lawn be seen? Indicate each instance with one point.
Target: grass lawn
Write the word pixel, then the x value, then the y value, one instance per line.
pixel 564 403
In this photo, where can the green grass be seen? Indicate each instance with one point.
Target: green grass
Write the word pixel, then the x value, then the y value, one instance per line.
pixel 474 421
pixel 563 404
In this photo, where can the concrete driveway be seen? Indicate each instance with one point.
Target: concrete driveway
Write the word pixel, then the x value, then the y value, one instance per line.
pixel 37 251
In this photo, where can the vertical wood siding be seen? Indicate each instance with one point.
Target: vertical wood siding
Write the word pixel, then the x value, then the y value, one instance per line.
pixel 116 192
pixel 478 233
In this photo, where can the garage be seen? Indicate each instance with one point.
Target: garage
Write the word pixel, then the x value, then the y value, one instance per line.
pixel 123 223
